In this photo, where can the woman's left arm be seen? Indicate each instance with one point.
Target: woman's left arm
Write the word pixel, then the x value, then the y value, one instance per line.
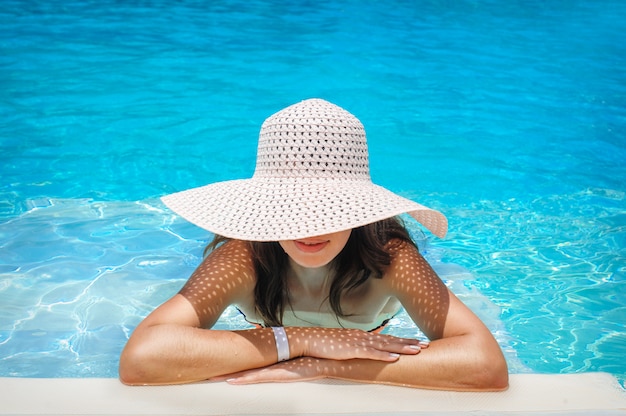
pixel 466 358
pixel 463 354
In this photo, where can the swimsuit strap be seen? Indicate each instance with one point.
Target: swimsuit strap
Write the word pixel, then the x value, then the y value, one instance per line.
pixel 377 329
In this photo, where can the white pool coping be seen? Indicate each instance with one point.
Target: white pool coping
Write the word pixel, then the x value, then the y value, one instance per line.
pixel 588 393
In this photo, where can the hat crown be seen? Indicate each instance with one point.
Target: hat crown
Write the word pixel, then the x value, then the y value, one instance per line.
pixel 312 139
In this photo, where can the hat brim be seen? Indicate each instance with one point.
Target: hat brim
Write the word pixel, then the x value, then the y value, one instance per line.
pixel 274 209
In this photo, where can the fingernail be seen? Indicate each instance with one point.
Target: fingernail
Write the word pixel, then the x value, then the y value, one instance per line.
pixel 394 355
pixel 424 343
pixel 415 347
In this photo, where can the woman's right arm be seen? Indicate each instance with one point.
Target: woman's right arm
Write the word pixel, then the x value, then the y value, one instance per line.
pixel 172 345
pixel 169 347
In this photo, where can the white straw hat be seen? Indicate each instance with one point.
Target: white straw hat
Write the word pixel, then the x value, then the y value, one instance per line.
pixel 312 178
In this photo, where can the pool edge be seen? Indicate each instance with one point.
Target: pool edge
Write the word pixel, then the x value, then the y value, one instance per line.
pixel 528 394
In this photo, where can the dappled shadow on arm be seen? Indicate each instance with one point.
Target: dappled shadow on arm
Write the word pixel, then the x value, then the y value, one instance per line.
pixel 223 275
pixel 420 290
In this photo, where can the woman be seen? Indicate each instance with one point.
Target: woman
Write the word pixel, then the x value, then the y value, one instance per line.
pixel 312 253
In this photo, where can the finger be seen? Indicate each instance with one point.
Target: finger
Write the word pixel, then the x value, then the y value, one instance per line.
pixel 259 375
pixel 225 377
pixel 396 345
pixel 405 342
pixel 387 348
pixel 394 350
pixel 266 375
pixel 411 341
pixel 241 380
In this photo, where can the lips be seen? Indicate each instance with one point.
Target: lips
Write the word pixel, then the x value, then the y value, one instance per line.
pixel 310 246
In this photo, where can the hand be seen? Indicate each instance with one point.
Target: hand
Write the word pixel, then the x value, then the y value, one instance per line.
pixel 345 344
pixel 299 369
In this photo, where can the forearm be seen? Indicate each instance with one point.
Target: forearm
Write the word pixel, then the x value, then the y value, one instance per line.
pixel 173 354
pixel 456 363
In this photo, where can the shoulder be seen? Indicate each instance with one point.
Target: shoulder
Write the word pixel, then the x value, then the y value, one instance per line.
pixel 231 255
pixel 408 269
pixel 419 289
pixel 227 271
pixel 404 255
pixel 233 259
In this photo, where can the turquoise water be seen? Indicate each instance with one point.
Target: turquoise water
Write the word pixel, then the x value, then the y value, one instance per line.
pixel 507 116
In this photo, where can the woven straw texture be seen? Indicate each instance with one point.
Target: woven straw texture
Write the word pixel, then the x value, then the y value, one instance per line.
pixel 311 178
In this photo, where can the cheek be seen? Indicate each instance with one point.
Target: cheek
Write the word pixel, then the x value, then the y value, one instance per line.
pixel 342 238
pixel 337 246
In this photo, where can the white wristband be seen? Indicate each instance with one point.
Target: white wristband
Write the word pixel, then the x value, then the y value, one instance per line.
pixel 282 343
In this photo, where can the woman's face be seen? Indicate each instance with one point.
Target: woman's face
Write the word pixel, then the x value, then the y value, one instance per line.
pixel 313 252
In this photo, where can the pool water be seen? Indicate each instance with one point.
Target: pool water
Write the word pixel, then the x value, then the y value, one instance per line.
pixel 510 117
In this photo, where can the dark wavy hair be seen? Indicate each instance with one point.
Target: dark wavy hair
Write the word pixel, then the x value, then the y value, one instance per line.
pixel 366 255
